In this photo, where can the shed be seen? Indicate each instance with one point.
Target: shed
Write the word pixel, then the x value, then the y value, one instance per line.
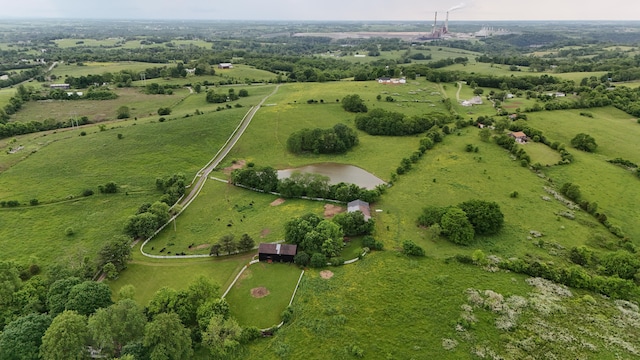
pixel 362 206
pixel 225 66
pixel 277 252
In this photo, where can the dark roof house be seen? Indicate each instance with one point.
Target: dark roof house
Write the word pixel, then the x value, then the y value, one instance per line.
pixel 277 252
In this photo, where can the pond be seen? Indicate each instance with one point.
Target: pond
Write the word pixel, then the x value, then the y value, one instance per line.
pixel 337 173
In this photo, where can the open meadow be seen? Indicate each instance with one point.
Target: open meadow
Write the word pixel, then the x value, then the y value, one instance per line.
pixel 99 68
pixel 393 307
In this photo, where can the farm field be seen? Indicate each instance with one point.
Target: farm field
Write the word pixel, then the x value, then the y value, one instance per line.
pixel 140 105
pixel 264 142
pixel 98 68
pixel 240 74
pixel 262 293
pixel 390 306
pixel 45 172
pixel 5 95
pixel 447 175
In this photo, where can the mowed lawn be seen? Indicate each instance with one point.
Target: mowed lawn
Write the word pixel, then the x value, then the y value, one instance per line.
pixel 150 275
pixel 221 209
pixel 262 293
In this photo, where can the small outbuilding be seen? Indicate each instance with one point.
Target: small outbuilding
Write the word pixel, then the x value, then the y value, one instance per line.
pixel 519 136
pixel 362 206
pixel 277 252
pixel 225 66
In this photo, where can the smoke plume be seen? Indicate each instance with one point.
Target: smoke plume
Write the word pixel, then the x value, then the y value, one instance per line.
pixel 457 7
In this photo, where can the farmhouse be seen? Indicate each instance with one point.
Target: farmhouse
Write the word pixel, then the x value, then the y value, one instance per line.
pixel 59 86
pixel 362 206
pixel 225 66
pixel 277 252
pixel 519 136
pixel 386 80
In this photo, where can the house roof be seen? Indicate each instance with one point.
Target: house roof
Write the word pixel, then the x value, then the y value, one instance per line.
pixel 359 205
pixel 277 249
pixel 518 134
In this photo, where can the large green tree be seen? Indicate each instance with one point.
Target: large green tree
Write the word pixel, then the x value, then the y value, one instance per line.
pixel 66 338
pixel 117 251
pixel 167 338
pixel 21 338
pixel 485 216
pixel 113 327
pixel 222 335
pixel 354 103
pixel 456 226
pixel 584 142
pixel 59 294
pixel 89 296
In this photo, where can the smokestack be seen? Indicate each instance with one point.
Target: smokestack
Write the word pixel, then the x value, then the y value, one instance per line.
pixel 435 23
pixel 446 24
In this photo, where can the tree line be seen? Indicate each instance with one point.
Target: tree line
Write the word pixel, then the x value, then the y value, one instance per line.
pixel 389 123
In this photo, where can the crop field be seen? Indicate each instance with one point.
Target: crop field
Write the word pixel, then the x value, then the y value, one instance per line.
pixel 390 306
pixel 150 275
pixel 98 68
pixel 262 293
pixel 223 209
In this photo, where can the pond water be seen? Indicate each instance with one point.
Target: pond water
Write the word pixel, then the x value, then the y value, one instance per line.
pixel 337 173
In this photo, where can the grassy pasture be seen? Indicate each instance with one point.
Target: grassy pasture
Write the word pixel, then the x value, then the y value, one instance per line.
pixel 447 175
pixel 541 153
pixel 279 279
pixel 387 305
pixel 394 307
pixel 239 74
pixel 5 95
pixel 149 275
pixel 71 43
pixel 98 68
pixel 615 131
pixel 140 105
pixel 206 220
pixel 488 69
pixel 264 142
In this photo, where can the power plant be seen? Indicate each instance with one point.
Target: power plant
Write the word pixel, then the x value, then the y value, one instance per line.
pixel 437 32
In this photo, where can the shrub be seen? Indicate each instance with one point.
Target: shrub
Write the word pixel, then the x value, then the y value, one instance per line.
pixel 410 248
pixel 69 231
pixel 336 261
pixel 287 315
pixel 371 243
pixel 87 192
pixel 318 260
pixel 83 133
pixel 485 216
pixel 301 259
pixel 456 226
pixel 33 202
pixel 584 142
pixel 250 333
pixel 353 103
pixel 164 111
pixel 432 215
pixel 109 188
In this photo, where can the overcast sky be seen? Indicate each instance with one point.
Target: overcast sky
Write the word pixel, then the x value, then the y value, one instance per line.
pixel 323 9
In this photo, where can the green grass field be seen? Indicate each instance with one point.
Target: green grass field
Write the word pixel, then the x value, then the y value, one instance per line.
pixel 447 175
pixel 263 311
pixel 223 209
pixel 393 307
pixel 98 68
pixel 140 105
pixel 264 142
pixel 149 275
pixel 5 95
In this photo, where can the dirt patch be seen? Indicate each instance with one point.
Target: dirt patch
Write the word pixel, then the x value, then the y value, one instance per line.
pixel 265 232
pixel 326 274
pixel 201 246
pixel 277 202
pixel 259 292
pixel 238 165
pixel 245 274
pixel 331 210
